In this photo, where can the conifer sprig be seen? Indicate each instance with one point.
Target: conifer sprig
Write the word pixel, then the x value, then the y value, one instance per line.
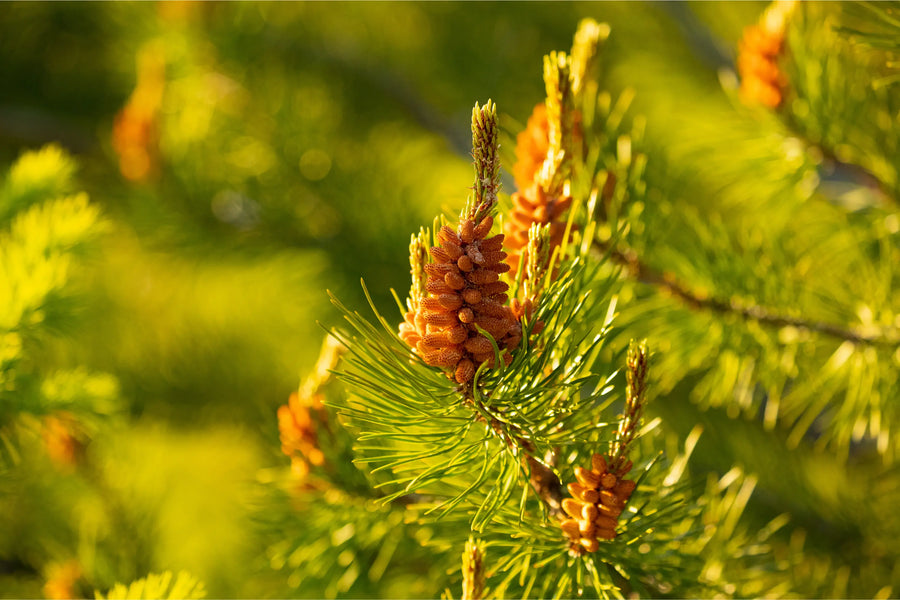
pixel 44 230
pixel 480 447
pixel 644 273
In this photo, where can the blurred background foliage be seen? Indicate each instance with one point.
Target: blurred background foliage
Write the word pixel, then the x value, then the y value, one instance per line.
pixel 245 157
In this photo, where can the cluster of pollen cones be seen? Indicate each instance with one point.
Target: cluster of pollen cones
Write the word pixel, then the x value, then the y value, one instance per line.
pixel 464 293
pixel 598 499
pixel 761 80
pixel 532 145
pixel 532 204
pixel 297 426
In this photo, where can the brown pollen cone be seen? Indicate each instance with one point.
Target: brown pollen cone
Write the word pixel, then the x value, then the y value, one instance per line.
pixel 532 145
pixel 762 82
pixel 532 204
pixel 412 329
pixel 465 293
pixel 598 498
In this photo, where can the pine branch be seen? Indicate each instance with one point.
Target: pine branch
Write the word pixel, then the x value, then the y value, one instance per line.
pixel 859 173
pixel 646 274
pixel 839 84
pixel 544 481
pixel 874 24
pixel 158 586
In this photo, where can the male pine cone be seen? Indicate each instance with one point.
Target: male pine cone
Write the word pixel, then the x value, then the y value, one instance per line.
pixel 598 499
pixel 464 294
pixel 532 203
pixel 762 80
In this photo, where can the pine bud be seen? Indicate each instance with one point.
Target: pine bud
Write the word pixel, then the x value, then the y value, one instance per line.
pixel 635 397
pixel 411 330
pixel 485 150
pixel 473 571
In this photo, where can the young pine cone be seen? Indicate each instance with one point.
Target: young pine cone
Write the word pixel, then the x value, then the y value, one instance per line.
pixel 762 81
pixel 465 292
pixel 598 499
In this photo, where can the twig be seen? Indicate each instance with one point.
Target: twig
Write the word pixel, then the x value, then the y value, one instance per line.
pixel 643 273
pixel 862 175
pixel 544 481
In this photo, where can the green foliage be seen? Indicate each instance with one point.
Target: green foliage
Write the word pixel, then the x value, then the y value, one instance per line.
pixel 830 92
pixel 40 253
pixel 874 24
pixel 159 586
pixel 36 260
pixel 328 543
pixel 743 296
pixel 34 177
pixel 406 412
